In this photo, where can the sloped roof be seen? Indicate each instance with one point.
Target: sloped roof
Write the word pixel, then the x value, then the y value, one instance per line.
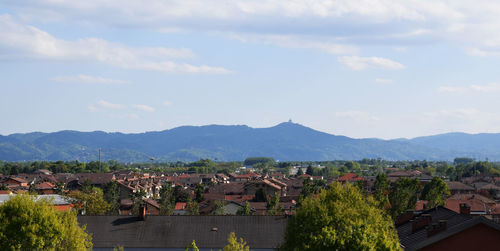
pixel 409 239
pixel 457 228
pixel 455 185
pixel 350 177
pixel 179 231
pixel 45 185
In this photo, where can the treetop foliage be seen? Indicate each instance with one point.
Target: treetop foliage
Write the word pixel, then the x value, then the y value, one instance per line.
pixel 340 218
pixel 26 224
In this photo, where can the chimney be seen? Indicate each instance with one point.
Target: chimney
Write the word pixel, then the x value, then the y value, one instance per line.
pixel 420 222
pixel 407 216
pixel 436 228
pixel 464 209
pixel 142 213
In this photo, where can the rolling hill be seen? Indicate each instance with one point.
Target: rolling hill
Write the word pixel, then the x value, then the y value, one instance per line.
pixel 285 142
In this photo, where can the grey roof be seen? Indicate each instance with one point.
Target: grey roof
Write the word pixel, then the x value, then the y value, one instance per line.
pixel 179 231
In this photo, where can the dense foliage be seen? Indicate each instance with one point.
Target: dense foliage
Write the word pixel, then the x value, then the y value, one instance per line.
pixel 435 192
pixel 340 218
pixel 28 224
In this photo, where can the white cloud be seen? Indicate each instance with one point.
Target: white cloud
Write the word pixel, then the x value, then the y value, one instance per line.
pixel 469 24
pixel 28 41
pixel 383 80
pixel 361 63
pixel 299 42
pixel 146 108
pixel 109 105
pixel 492 87
pixel 81 78
pixel 452 89
pixel 167 103
pixel 487 88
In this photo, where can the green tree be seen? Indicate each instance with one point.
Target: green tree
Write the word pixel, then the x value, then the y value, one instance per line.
pixel 300 172
pixel 273 206
pixel 137 198
pixel 403 196
pixel 219 208
pixel 340 218
pixel 234 244
pixel 26 224
pixel 192 207
pixel 310 170
pixel 167 199
pixel 111 195
pixel 198 192
pixel 192 246
pixel 245 210
pixel 381 194
pixel 91 203
pixel 435 192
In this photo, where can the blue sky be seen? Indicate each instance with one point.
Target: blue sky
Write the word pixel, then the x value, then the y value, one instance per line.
pixel 384 69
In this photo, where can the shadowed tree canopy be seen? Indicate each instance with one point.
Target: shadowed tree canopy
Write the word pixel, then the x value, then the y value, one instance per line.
pixel 26 224
pixel 340 218
pixel 404 196
pixel 435 192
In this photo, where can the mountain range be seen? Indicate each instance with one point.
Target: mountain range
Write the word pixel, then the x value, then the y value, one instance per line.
pixel 285 142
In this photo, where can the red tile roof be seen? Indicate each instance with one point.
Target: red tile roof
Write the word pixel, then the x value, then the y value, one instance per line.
pixel 45 185
pixel 350 177
pixel 180 206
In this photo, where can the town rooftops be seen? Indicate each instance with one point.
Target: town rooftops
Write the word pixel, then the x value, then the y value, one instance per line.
pixel 211 232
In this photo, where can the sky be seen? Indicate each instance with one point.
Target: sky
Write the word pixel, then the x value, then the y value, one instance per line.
pixel 360 68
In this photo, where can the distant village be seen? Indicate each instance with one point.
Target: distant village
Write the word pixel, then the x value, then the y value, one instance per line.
pixel 247 189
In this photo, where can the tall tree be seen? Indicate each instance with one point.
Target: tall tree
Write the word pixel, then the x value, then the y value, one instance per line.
pixel 91 203
pixel 233 244
pixel 340 218
pixel 219 208
pixel 382 187
pixel 192 246
pixel 435 192
pixel 111 195
pixel 26 224
pixel 192 207
pixel 404 196
pixel 167 199
pixel 245 210
pixel 273 206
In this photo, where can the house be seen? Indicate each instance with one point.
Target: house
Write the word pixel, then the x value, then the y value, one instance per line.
pixel 176 232
pixel 477 204
pixel 152 207
pixel 270 188
pixel 180 208
pixel 45 188
pixel 15 182
pixel 415 174
pixel 444 229
pixel 459 188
